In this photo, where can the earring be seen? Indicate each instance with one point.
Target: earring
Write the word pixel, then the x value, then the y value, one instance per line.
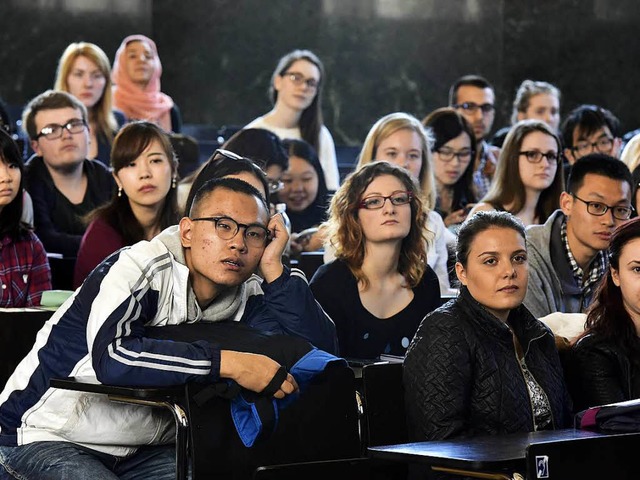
pixel 173 182
pixel 119 191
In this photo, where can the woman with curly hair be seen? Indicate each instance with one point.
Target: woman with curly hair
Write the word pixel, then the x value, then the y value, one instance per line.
pixel 605 360
pixel 379 286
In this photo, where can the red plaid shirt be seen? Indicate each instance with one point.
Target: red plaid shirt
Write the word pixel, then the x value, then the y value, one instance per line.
pixel 24 271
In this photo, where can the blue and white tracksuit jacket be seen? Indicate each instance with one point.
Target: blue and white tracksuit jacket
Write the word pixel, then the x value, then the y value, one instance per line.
pixel 99 333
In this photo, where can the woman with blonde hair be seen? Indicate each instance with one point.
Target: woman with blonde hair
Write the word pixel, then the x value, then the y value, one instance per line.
pixel 379 287
pixel 529 178
pixel 400 139
pixel 84 72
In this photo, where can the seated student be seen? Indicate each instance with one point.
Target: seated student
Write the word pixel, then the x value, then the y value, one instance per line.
pixel 379 287
pixel 529 178
pixel 195 272
pixel 534 101
pixel 84 72
pixel 261 146
pixel 305 193
pixel 606 359
pixel 453 148
pixel 136 77
pixel 63 184
pixel 296 94
pixel 400 138
pixel 631 153
pixel 24 269
pixel 482 364
pixel 567 255
pixel 590 129
pixel 144 167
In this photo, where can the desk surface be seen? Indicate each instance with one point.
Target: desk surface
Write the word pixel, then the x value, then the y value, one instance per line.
pixel 91 385
pixel 479 453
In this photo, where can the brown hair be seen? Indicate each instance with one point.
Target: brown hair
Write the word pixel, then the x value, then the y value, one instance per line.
pixel 345 233
pixel 49 100
pixel 507 185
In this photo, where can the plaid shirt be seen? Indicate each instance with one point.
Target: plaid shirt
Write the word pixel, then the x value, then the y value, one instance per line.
pixel 597 268
pixel 483 174
pixel 24 271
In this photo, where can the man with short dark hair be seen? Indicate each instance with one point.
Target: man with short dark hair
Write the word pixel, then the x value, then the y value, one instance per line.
pixel 474 98
pixel 63 184
pixel 199 271
pixel 567 255
pixel 590 129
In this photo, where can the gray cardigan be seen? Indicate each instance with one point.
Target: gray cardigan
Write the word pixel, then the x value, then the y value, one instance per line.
pixel 552 286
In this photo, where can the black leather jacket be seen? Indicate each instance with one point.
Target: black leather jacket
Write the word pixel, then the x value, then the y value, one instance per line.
pixel 462 376
pixel 601 372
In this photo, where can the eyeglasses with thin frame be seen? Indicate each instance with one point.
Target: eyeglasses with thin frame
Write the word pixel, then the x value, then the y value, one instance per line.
pixel 446 154
pixel 602 145
pixel 598 209
pixel 375 202
pixel 535 156
pixel 472 107
pixel 255 235
pixel 298 79
pixel 53 130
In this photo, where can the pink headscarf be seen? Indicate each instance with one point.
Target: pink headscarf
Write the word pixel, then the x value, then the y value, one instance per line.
pixel 136 103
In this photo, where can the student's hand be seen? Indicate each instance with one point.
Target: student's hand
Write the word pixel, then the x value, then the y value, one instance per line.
pixel 458 216
pixel 306 241
pixel 270 267
pixel 254 372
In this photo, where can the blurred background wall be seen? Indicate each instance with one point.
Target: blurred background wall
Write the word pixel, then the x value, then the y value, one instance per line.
pixel 380 55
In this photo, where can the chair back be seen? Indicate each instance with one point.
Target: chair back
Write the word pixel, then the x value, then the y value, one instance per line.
pixel 384 410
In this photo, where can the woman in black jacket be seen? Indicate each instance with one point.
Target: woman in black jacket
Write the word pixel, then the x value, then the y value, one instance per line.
pixel 482 364
pixel 606 359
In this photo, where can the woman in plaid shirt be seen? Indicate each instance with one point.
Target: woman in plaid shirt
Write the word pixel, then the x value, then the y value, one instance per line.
pixel 24 269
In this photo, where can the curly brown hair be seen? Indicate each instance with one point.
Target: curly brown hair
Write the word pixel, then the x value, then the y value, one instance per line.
pixel 345 232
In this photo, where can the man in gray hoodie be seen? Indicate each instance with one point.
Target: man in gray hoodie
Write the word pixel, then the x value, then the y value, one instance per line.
pixel 567 255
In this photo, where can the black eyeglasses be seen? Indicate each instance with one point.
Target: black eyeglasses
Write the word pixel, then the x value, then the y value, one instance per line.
pixel 298 79
pixel 473 107
pixel 535 156
pixel 602 145
pixel 375 202
pixel 599 209
pixel 53 131
pixel 255 235
pixel 446 154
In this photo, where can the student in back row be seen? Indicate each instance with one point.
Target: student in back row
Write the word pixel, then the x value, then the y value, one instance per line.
pixel 63 184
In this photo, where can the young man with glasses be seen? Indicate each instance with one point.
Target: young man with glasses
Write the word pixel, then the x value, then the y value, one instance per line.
pixel 567 255
pixel 63 184
pixel 199 271
pixel 590 129
pixel 474 98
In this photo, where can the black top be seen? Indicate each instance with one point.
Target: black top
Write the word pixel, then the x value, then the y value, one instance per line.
pixel 360 333
pixel 602 371
pixel 104 146
pixel 462 377
pixel 58 222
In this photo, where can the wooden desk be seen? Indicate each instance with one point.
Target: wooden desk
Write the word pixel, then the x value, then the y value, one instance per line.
pixel 479 454
pixel 18 329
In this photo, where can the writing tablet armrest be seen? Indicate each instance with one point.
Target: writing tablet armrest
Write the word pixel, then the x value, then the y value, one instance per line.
pixel 91 385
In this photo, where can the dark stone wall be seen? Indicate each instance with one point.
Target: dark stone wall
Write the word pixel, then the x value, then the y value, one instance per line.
pixel 380 55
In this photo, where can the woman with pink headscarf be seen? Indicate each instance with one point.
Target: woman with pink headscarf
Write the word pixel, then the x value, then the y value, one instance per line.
pixel 136 77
